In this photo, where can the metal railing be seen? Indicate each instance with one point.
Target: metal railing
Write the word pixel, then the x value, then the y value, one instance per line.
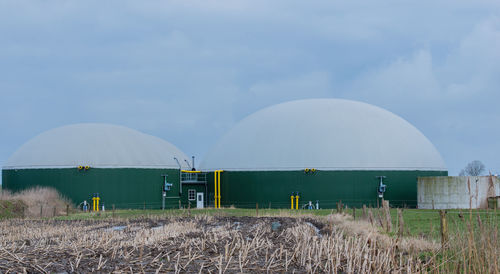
pixel 194 177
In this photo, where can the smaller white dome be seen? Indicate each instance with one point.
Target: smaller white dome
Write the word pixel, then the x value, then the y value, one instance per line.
pixel 96 145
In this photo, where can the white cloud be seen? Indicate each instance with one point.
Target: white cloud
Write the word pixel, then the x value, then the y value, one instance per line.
pixel 188 70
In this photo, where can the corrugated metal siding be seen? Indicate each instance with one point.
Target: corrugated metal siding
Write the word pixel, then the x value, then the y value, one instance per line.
pixel 124 187
pixel 354 188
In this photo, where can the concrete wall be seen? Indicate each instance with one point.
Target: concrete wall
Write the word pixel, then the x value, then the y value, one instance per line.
pixel 456 192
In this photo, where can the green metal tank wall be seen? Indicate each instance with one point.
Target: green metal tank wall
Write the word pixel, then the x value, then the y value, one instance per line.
pixel 123 187
pixel 354 188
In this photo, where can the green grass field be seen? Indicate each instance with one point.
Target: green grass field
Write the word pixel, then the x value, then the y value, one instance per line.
pixel 418 222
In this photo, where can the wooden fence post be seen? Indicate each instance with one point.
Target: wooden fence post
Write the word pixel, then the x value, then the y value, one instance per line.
pixel 354 213
pixel 54 212
pixel 444 229
pixel 401 223
pixel 388 221
pixel 370 216
pixel 41 211
pixel 67 209
pixel 364 212
pixel 257 209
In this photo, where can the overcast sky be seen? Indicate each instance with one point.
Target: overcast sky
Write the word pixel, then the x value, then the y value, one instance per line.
pixel 187 71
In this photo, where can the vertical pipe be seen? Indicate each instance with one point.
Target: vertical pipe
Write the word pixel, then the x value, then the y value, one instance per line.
pixel 291 199
pixel 297 201
pixel 215 189
pixel 218 181
pixel 97 200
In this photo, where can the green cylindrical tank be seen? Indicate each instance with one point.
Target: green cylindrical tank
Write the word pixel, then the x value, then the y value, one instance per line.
pixel 327 150
pixel 124 166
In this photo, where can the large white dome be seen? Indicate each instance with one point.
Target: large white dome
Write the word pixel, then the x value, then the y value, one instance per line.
pixel 326 134
pixel 96 145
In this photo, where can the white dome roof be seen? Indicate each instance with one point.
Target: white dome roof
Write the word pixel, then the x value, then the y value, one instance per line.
pixel 96 145
pixel 326 134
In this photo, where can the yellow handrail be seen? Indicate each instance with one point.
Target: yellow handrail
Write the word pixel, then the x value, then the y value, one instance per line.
pixel 191 171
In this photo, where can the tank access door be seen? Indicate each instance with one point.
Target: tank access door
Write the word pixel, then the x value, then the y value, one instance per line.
pixel 199 200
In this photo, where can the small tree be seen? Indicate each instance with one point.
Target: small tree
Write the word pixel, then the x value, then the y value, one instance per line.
pixel 474 168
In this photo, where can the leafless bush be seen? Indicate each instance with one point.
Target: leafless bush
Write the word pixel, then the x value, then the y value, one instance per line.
pixel 37 198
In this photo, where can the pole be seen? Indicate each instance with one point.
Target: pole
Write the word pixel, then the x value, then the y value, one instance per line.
pixel 388 221
pixel 215 189
pixel 297 201
pixel 163 200
pixel 113 215
pixel 401 223
pixel 67 209
pixel 218 180
pixel 257 209
pixel 444 229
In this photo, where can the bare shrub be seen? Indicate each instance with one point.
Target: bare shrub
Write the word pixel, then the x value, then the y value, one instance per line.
pixel 37 198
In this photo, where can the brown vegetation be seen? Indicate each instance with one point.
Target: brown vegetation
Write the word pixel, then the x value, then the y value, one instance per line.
pixel 205 244
pixel 35 200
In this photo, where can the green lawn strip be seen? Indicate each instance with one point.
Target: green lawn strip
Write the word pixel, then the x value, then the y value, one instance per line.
pixel 418 222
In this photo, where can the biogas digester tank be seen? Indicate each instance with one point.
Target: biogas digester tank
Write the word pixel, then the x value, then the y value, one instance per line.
pixel 124 166
pixel 327 150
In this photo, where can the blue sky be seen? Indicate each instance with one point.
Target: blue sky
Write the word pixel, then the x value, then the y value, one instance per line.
pixel 187 71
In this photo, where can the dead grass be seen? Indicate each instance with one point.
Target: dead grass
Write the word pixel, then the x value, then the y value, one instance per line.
pixel 36 199
pixel 205 244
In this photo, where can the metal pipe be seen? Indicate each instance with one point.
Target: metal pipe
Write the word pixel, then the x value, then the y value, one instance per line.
pixel 180 176
pixel 218 181
pixel 189 165
pixel 215 188
pixel 291 200
pixel 297 201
